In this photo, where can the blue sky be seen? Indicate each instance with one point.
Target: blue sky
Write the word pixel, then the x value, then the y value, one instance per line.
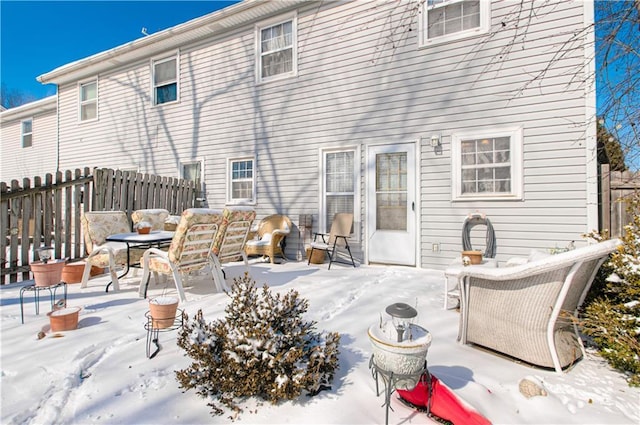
pixel 38 36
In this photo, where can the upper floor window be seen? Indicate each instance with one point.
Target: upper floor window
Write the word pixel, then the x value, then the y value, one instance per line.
pixel 88 101
pixel 339 185
pixel 165 80
pixel 242 181
pixel 488 165
pixel 276 50
pixel 446 20
pixel 27 133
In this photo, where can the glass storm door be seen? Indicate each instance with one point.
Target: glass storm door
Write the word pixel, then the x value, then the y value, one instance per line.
pixel 391 216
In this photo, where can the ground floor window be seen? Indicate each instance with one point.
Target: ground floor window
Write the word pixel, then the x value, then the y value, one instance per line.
pixel 487 165
pixel 339 178
pixel 241 181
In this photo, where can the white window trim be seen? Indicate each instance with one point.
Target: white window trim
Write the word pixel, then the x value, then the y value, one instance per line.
pixel 485 25
pixel 161 59
pixel 244 201
pixel 322 224
pixel 293 17
pixel 517 165
pixel 80 102
pixel 22 133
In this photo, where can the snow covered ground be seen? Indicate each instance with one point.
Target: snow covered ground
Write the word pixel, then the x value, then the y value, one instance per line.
pixel 100 373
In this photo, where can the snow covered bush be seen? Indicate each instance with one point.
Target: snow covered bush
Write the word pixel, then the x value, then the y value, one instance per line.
pixel 262 348
pixel 612 317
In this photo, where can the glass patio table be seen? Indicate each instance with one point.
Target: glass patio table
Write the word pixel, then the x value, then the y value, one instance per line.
pixel 155 238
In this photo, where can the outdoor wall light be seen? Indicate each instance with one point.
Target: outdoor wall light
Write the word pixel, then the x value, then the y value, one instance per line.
pixel 435 140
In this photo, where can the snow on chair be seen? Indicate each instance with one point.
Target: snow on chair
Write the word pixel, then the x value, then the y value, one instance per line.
pixel 155 216
pixel 232 237
pixel 190 250
pixel 96 226
pixel 527 311
pixel 271 233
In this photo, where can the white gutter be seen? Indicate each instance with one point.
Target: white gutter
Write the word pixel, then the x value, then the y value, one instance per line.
pixel 206 26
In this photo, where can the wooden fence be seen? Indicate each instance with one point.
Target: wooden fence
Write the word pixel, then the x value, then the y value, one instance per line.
pixel 616 187
pixel 47 212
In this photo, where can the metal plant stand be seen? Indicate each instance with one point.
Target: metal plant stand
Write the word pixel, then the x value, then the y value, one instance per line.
pixel 390 380
pixel 36 290
pixel 153 332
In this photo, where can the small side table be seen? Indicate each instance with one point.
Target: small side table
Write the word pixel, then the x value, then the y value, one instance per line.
pixel 390 380
pixel 452 280
pixel 153 333
pixel 36 290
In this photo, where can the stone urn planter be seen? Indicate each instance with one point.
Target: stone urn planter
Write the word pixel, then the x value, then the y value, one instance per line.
pixel 163 311
pixel 406 357
pixel 47 273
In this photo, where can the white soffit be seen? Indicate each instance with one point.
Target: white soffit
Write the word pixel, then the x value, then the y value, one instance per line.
pixel 206 26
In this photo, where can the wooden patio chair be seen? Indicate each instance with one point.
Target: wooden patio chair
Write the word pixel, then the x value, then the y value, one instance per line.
pixel 338 235
pixel 190 250
pixel 271 234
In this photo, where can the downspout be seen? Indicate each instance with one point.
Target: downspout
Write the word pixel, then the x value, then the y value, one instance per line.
pixel 591 142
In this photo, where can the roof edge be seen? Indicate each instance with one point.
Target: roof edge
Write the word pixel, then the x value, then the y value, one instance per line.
pixel 29 109
pixel 213 23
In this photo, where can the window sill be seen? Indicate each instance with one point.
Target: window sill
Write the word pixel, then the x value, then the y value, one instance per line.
pixel 510 197
pixel 241 203
pixel 160 105
pixel 278 77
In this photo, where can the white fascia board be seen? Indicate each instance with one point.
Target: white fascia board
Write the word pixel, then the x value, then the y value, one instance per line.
pixel 206 26
pixel 29 109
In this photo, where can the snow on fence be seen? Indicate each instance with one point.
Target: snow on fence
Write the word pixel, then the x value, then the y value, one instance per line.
pixel 46 212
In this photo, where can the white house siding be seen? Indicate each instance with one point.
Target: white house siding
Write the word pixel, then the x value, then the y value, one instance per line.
pixel 38 159
pixel 551 111
pixel 361 80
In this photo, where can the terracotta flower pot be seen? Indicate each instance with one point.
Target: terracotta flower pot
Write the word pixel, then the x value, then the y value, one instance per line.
pixel 72 272
pixel 65 319
pixel 49 273
pixel 475 257
pixel 144 227
pixel 163 311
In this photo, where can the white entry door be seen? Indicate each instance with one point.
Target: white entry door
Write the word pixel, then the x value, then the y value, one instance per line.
pixel 391 204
